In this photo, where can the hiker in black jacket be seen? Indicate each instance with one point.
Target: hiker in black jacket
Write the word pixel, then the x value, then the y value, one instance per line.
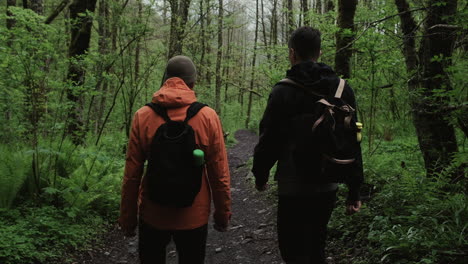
pixel 305 199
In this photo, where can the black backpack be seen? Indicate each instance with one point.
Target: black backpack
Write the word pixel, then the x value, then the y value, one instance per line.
pixel 325 133
pixel 174 179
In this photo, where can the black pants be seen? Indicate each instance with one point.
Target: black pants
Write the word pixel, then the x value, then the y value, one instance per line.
pixel 190 244
pixel 302 227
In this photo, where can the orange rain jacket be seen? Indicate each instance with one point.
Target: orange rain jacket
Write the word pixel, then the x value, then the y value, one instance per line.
pixel 176 96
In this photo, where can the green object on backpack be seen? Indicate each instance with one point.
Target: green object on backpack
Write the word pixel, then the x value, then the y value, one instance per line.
pixel 199 157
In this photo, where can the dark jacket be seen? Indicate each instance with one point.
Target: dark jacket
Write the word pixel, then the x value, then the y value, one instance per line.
pixel 276 136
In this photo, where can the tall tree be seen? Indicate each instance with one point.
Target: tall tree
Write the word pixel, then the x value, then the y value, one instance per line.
pixel 327 6
pixel 37 6
pixel 345 36
pixel 79 44
pixel 252 75
pixel 201 67
pixel 219 57
pixel 274 24
pixel 290 18
pixel 10 21
pixel 436 135
pixel 265 39
pixel 209 34
pixel 305 12
pixel 318 6
pixel 104 50
pixel 179 16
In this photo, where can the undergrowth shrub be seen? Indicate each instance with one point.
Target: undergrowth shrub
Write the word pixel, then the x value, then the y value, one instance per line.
pixel 80 192
pixel 14 166
pixel 408 218
pixel 41 234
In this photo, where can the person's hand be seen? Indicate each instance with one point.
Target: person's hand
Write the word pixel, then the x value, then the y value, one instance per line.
pixel 261 188
pixel 353 207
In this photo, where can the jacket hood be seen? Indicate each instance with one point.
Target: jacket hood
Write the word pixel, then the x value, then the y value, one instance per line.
pixel 174 93
pixel 317 76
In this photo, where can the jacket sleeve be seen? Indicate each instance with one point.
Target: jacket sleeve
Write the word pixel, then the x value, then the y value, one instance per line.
pixel 356 178
pixel 267 150
pixel 135 159
pixel 218 173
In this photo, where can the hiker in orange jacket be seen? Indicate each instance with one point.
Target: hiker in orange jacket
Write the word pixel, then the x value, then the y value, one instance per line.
pixel 157 223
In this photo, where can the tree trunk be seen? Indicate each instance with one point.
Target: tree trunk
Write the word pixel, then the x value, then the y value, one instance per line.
pixel 305 12
pixel 290 19
pixel 328 6
pixel 219 57
pixel 209 34
pixel 37 6
pixel 201 67
pixel 103 49
pixel 274 24
pixel 179 16
pixel 436 135
pixel 319 6
pixel 227 63
pixel 252 76
pixel 346 11
pixel 265 41
pixel 79 45
pixel 10 21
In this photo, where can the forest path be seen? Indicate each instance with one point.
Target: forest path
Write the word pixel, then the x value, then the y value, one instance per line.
pixel 252 234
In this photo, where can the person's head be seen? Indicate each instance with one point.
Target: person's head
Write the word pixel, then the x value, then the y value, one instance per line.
pixel 182 67
pixel 304 44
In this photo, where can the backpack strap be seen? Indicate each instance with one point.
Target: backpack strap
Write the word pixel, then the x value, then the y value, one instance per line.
pixel 296 84
pixel 340 89
pixel 159 110
pixel 193 109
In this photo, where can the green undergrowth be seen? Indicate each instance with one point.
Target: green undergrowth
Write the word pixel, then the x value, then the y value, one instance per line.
pixel 60 206
pixel 32 234
pixel 406 218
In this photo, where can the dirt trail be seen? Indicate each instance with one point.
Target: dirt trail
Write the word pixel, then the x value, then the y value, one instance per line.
pixel 252 235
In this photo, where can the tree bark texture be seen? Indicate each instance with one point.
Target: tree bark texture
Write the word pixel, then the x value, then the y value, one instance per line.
pixel 274 24
pixel 327 6
pixel 10 21
pixel 60 7
pixel 79 45
pixel 201 67
pixel 179 16
pixel 305 12
pixel 252 76
pixel 103 49
pixel 219 57
pixel 37 6
pixel 208 38
pixel 290 18
pixel 345 36
pixel 436 135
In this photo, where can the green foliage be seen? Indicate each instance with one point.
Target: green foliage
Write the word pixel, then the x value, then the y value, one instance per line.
pixel 42 234
pixel 73 190
pixel 409 218
pixel 14 166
